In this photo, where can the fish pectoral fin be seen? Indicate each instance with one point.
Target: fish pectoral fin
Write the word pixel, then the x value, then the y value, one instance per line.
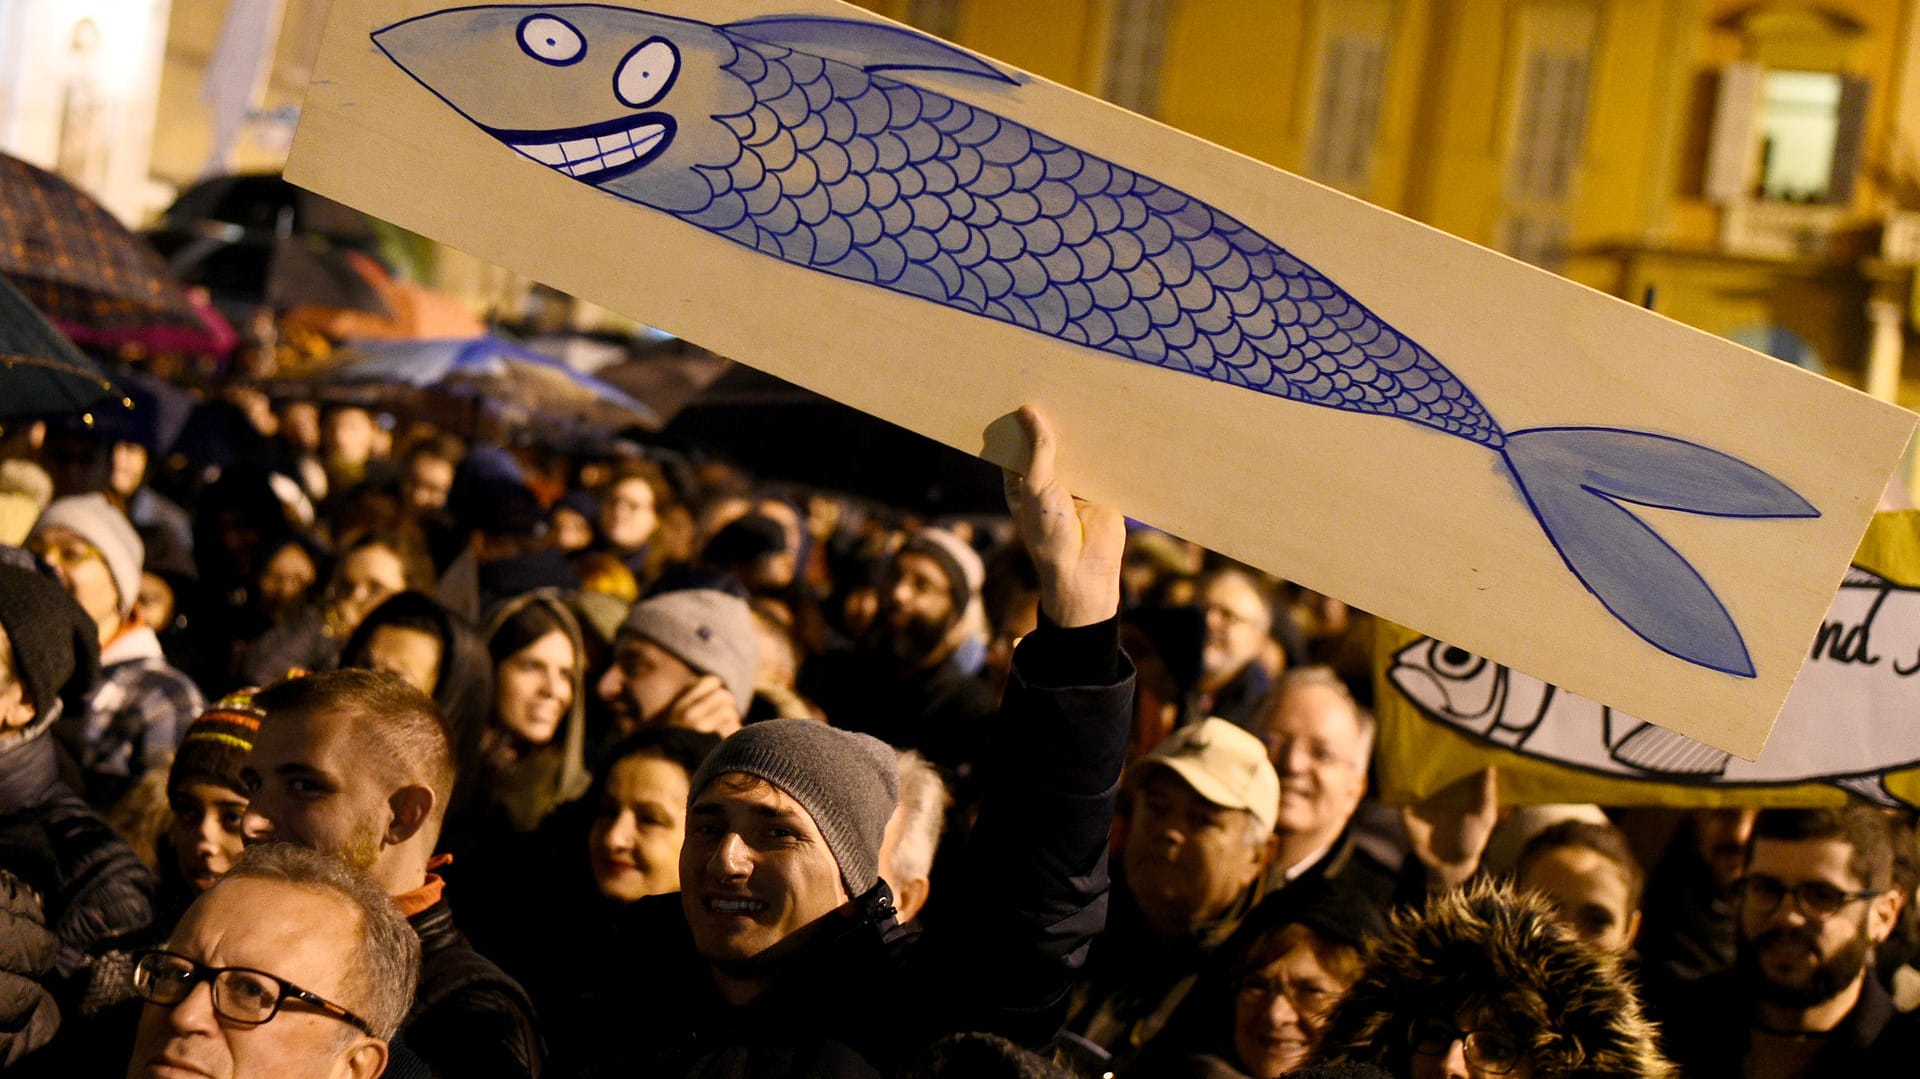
pixel 1870 789
pixel 870 46
pixel 1657 749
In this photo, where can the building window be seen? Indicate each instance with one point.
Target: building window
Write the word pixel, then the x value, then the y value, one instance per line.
pixel 1347 102
pixel 1551 65
pixel 1136 48
pixel 1799 131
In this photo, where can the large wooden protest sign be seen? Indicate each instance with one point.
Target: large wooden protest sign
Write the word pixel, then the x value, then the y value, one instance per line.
pixel 1849 726
pixel 1424 428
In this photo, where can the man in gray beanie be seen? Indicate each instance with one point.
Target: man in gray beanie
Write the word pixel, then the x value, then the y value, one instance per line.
pixel 782 954
pixel 143 704
pixel 683 659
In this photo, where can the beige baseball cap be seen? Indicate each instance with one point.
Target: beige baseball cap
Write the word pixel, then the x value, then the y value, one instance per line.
pixel 1223 764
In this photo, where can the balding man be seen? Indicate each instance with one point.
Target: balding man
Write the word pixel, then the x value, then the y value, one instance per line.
pixel 1320 740
pixel 307 968
pixel 356 764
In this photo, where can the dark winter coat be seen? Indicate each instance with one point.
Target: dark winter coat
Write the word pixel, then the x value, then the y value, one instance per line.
pixel 867 996
pixel 1709 1039
pixel 1569 1005
pixel 469 1020
pixel 94 895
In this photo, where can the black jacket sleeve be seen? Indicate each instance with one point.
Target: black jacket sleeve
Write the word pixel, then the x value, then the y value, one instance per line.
pixel 1035 878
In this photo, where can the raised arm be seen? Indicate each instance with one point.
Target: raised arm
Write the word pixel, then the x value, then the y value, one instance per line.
pixel 1035 872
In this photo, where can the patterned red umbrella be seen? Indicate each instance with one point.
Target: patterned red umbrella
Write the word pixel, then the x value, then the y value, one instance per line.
pixel 76 262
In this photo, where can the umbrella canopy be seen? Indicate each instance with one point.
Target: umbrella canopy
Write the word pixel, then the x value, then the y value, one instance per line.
pixel 266 204
pixel 782 431
pixel 244 270
pixel 502 376
pixel 74 261
pixel 41 372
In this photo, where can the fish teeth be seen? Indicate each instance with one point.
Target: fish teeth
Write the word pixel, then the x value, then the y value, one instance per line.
pixel 547 153
pixel 579 150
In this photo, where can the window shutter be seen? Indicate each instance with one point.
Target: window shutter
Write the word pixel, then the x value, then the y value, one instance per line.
pixel 1730 154
pixel 1848 141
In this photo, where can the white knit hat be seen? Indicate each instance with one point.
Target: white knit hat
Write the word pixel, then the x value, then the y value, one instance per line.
pixel 100 523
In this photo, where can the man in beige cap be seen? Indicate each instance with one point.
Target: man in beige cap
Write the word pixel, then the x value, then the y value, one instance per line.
pixel 1197 846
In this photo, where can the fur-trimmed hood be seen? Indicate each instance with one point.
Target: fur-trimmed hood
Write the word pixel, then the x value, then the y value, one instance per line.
pixel 1488 948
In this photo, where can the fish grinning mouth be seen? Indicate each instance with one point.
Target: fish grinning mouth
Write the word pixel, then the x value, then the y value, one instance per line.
pixel 594 152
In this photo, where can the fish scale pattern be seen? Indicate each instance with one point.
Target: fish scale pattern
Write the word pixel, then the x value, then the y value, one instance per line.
pixel 868 178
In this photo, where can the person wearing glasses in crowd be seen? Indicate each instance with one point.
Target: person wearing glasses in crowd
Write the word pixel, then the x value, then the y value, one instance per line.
pixel 307 969
pixel 1487 982
pixel 1815 899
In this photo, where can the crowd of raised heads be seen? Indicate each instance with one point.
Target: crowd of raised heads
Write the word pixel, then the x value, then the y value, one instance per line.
pixel 331 746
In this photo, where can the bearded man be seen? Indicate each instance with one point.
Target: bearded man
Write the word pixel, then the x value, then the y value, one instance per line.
pixel 1815 898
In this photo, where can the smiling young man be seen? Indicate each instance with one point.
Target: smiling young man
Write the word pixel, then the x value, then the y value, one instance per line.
pixel 782 954
pixel 293 965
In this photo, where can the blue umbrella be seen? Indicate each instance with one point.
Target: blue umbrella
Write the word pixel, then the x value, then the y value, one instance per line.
pixel 506 377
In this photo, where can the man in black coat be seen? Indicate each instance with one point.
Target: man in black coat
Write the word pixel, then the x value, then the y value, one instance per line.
pixel 356 764
pixel 782 955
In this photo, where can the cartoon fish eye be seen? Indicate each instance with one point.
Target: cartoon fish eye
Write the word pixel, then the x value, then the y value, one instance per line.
pixel 1455 662
pixel 552 40
pixel 647 73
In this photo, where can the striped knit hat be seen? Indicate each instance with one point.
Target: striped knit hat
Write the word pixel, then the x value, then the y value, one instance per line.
pixel 216 744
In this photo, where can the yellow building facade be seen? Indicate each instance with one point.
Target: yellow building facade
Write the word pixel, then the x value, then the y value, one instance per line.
pixel 1748 168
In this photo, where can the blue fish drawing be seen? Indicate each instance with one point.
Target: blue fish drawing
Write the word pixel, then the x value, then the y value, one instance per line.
pixel 802 138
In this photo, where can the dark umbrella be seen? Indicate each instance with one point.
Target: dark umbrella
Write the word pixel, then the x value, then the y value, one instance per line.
pixel 266 204
pixel 41 372
pixel 667 379
pixel 243 270
pixel 75 262
pixel 782 431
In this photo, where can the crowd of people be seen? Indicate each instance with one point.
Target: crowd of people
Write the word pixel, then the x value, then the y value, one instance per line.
pixel 427 758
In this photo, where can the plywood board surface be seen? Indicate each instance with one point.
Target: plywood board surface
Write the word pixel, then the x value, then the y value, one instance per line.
pixel 1545 475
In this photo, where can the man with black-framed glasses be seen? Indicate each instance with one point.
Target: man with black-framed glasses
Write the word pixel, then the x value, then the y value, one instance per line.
pixel 1815 898
pixel 293 965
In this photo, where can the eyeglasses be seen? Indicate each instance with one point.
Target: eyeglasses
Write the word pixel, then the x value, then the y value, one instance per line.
pixel 1307 998
pixel 241 995
pixel 1815 898
pixel 1486 1051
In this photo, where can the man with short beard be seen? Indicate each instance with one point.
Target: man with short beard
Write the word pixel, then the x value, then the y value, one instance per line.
pixel 356 764
pixel 1814 899
pixel 904 684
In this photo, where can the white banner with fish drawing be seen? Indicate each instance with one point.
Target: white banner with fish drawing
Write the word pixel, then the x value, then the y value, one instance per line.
pixel 1851 723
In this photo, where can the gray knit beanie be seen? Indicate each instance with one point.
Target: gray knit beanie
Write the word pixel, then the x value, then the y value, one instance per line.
pixel 961 563
pixel 848 783
pixel 708 630
pixel 100 523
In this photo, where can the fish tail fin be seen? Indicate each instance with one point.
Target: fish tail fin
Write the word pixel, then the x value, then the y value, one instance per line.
pixel 1869 789
pixel 1577 481
pixel 1659 750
